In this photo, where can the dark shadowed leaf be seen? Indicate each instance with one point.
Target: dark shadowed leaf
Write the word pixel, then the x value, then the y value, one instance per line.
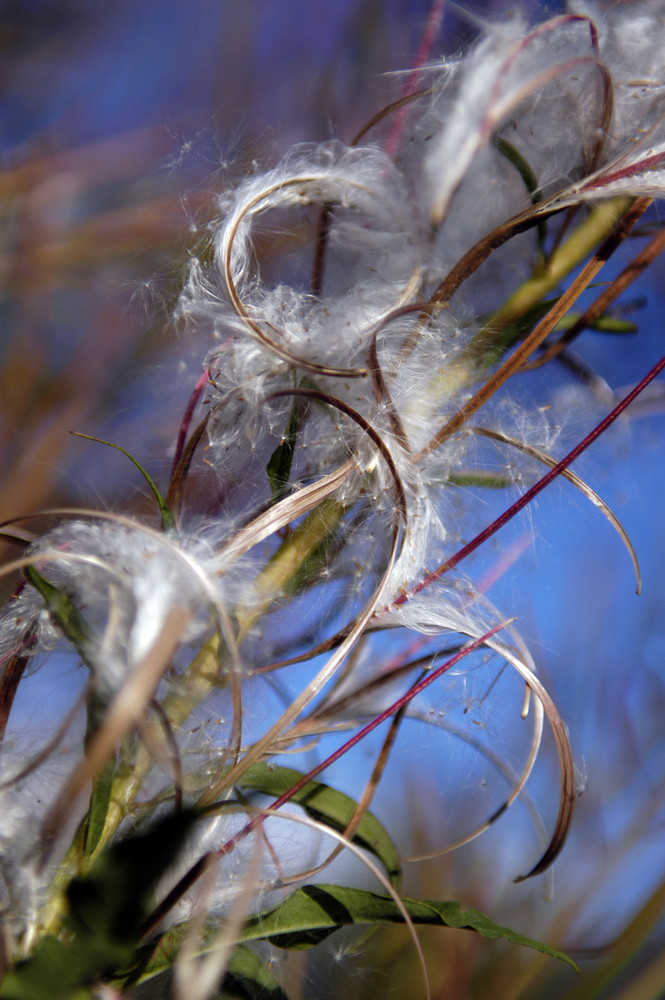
pixel 247 977
pixel 107 909
pixel 281 460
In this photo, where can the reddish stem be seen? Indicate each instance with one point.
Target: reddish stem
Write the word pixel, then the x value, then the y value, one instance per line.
pixel 422 55
pixel 371 726
pixel 187 418
pixel 197 870
pixel 201 865
pixel 537 488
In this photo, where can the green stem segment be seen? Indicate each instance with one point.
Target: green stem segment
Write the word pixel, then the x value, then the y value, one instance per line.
pixel 596 227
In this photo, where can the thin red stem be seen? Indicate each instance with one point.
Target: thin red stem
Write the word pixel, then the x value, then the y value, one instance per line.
pixel 201 865
pixel 187 418
pixel 386 714
pixel 534 490
pixel 422 55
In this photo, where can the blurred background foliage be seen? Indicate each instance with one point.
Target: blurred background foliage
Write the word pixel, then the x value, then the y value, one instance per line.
pixel 119 123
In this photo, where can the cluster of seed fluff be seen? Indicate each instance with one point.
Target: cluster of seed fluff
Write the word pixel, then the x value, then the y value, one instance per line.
pixel 331 350
pixel 565 96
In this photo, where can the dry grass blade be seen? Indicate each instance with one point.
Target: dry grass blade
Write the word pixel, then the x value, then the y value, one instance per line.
pixel 126 710
pixel 500 106
pixel 393 709
pixel 276 731
pixel 602 303
pixel 375 871
pixel 566 764
pixel 518 790
pixel 126 521
pixel 48 749
pixel 518 782
pixel 168 757
pixel 586 236
pixel 542 329
pixel 197 976
pixel 266 743
pixel 239 305
pixel 376 438
pixel 361 855
pixel 284 512
pixel 537 487
pixel 203 669
pixel 365 800
pixel 573 478
pixel 600 132
pixel 389 109
pixel 382 391
pixel 638 169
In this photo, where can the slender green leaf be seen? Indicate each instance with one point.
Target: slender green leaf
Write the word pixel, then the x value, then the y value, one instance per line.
pixel 488 480
pixel 99 804
pixel 61 607
pixel 326 804
pixel 513 155
pixel 607 323
pixel 281 460
pixel 313 912
pixel 246 974
pixel 511 333
pixel 70 621
pixel 168 521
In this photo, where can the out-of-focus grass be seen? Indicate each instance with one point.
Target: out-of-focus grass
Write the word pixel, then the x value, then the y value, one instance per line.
pixel 100 191
pixel 115 125
pixel 67 265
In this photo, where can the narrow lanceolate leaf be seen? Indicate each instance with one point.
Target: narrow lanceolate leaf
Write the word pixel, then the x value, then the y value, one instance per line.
pixel 488 480
pixel 281 460
pixel 331 807
pixel 61 608
pixel 168 520
pixel 604 324
pixel 513 155
pixel 523 299
pixel 313 912
pixel 246 974
pixel 100 798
